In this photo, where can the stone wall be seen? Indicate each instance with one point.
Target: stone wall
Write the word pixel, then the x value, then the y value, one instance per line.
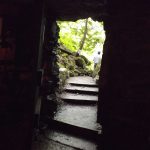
pixel 124 78
pixel 51 71
pixel 21 35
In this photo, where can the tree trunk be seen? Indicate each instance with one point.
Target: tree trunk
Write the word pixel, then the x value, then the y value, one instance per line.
pixel 84 37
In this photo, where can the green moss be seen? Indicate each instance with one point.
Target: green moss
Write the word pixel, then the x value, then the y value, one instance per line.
pixel 75 66
pixel 63 75
pixel 85 59
pixel 80 62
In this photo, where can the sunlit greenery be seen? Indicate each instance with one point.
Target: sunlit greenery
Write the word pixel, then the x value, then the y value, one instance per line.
pixel 71 34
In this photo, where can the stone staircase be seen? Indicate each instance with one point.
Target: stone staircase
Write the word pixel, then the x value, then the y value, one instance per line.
pixel 75 122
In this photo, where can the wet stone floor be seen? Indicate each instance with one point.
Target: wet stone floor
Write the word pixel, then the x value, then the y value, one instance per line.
pixel 75 120
pixel 43 143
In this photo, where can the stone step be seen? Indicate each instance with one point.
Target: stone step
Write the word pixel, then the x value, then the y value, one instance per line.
pixel 83 116
pixel 75 122
pixel 45 143
pixel 84 84
pixel 81 89
pixel 82 80
pixel 72 129
pixel 79 98
pixel 76 142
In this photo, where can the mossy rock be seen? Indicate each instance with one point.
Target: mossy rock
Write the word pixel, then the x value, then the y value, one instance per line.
pixel 64 55
pixel 71 73
pixel 81 71
pixel 74 53
pixel 76 71
pixel 75 65
pixel 60 65
pixel 71 64
pixel 85 59
pixel 71 67
pixel 90 72
pixel 89 63
pixel 80 62
pixel 62 78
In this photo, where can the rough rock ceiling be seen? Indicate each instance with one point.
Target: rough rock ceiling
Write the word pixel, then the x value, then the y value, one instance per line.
pixel 75 9
pixel 68 9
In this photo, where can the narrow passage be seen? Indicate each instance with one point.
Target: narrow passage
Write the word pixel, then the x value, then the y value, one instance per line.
pixel 75 121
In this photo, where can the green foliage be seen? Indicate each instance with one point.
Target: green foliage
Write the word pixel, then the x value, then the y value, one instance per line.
pixel 71 34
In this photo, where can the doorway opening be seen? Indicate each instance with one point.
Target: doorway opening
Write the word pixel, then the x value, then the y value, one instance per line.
pixel 79 54
pixel 73 119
